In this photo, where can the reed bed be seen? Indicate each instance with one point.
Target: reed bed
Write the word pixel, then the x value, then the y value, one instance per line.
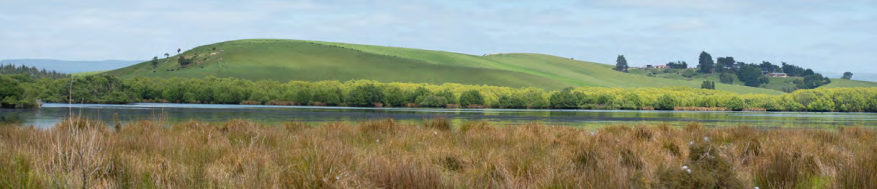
pixel 387 154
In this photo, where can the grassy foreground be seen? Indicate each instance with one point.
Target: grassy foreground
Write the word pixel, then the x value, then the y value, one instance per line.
pixel 385 154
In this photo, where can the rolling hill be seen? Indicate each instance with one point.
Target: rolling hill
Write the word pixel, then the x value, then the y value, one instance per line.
pixel 837 83
pixel 70 67
pixel 286 60
pixel 776 83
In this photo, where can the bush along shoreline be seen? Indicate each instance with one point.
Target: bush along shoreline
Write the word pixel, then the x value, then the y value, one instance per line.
pixel 105 89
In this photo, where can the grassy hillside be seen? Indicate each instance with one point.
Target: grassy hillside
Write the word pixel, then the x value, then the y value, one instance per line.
pixel 837 83
pixel 776 83
pixel 574 72
pixel 313 61
pixel 286 60
pixel 87 73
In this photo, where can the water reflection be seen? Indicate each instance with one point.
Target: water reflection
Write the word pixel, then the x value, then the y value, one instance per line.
pixel 51 114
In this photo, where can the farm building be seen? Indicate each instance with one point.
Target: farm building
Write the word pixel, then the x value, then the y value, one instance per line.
pixel 777 75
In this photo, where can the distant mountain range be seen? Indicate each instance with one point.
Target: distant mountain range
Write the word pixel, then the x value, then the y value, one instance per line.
pixel 65 66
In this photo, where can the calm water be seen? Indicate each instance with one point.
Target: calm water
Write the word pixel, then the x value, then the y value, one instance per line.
pixel 51 114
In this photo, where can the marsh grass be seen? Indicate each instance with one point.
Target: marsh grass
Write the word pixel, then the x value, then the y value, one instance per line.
pixel 82 153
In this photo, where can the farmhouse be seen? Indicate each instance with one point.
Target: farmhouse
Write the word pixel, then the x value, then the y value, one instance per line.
pixel 661 66
pixel 777 75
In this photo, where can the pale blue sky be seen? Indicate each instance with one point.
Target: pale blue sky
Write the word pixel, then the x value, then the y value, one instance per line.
pixel 827 35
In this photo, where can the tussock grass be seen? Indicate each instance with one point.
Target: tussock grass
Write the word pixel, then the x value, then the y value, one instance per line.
pixel 387 154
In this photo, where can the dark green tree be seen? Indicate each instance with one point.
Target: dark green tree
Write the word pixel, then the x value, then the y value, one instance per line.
pixel 10 91
pixel 666 102
pixel 365 95
pixel 154 62
pixel 677 65
pixel 726 78
pixel 847 75
pixel 418 93
pixel 751 76
pixel 564 99
pixel 185 61
pixel 448 96
pixel 725 64
pixel 511 101
pixel 471 97
pixel 705 62
pixel 708 85
pixel 621 64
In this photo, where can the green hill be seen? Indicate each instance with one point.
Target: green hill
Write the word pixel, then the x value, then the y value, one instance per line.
pixel 776 83
pixel 838 83
pixel 286 60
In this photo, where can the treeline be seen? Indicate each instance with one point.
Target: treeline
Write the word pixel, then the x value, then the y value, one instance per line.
pixel 212 90
pixel 753 75
pixel 31 71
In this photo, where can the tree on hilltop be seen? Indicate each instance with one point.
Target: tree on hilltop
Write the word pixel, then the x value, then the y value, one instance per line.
pixel 847 75
pixel 705 62
pixel 621 64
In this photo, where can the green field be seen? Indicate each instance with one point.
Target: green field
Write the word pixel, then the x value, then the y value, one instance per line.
pixel 837 83
pixel 87 73
pixel 776 83
pixel 286 60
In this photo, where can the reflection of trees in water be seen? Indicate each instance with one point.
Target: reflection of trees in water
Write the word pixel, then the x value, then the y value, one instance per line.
pixel 10 119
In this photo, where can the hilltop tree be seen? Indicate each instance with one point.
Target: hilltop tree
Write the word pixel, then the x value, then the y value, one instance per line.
pixel 705 62
pixel 678 65
pixel 750 75
pixel 725 64
pixel 768 67
pixel 621 64
pixel 847 75
pixel 178 50
pixel 166 56
pixel 154 62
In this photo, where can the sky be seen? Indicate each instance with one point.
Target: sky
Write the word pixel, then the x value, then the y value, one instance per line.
pixel 828 36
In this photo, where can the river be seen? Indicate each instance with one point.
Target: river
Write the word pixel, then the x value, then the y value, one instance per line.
pixel 50 114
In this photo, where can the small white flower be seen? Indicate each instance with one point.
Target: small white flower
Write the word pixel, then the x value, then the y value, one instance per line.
pixel 688 170
pixel 592 133
pixel 377 140
pixel 756 187
pixel 706 139
pixel 684 167
pixel 690 143
pixel 434 133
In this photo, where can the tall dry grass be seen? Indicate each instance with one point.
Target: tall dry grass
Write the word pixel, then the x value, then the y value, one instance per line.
pixel 386 154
